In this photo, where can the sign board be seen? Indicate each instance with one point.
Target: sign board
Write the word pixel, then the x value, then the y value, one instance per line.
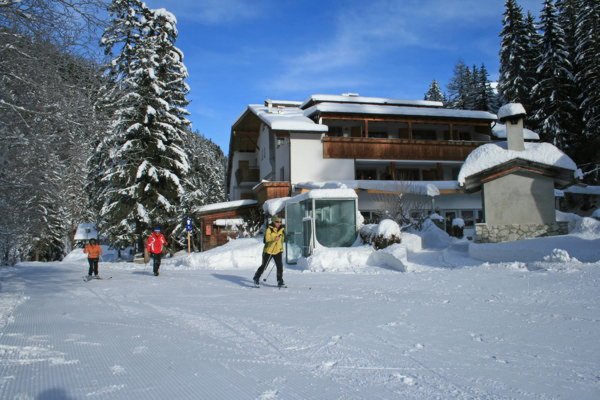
pixel 188 224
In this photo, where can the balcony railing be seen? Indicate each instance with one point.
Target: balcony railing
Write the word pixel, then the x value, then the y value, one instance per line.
pixel 397 149
pixel 246 175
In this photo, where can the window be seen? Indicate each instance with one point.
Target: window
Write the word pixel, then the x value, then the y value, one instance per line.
pixel 378 135
pixel 424 132
pixel 407 174
pixel 335 131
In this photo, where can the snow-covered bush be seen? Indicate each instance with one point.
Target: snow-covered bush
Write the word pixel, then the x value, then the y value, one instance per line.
pixel 381 235
pixel 458 226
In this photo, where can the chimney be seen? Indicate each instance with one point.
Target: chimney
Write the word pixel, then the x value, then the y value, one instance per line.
pixel 269 105
pixel 512 114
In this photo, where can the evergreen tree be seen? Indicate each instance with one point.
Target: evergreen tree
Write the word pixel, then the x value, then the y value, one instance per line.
pixel 532 59
pixel 434 93
pixel 484 95
pixel 459 87
pixel 514 84
pixel 588 78
pixel 146 164
pixel 554 110
pixel 567 19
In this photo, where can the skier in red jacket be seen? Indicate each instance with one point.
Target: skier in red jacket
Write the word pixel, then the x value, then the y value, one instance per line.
pixel 155 246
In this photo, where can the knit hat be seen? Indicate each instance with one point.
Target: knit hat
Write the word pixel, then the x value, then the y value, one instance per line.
pixel 157 229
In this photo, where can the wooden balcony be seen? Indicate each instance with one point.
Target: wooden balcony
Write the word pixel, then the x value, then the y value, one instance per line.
pixel 397 149
pixel 246 175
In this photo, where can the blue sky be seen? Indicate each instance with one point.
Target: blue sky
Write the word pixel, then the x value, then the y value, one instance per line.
pixel 239 52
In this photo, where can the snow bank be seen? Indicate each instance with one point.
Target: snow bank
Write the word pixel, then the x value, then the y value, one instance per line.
pixel 596 214
pixel 433 237
pixel 571 218
pixel 243 253
pixel 583 245
pixel 362 259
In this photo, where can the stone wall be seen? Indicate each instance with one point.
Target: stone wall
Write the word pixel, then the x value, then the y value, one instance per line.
pixel 485 233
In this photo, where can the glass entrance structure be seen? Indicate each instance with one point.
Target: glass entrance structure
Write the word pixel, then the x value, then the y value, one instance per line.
pixel 325 217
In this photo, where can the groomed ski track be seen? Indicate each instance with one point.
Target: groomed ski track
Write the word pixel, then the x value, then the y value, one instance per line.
pixel 210 335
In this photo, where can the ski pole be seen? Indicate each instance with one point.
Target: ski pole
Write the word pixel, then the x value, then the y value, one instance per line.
pixel 268 261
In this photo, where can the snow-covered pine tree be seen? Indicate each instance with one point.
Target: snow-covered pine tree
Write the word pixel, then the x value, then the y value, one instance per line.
pixel 513 82
pixel 459 86
pixel 532 60
pixel 147 165
pixel 588 78
pixel 434 93
pixel 484 95
pixel 554 109
pixel 567 19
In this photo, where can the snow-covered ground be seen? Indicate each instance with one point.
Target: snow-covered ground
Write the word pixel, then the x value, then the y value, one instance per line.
pixel 406 323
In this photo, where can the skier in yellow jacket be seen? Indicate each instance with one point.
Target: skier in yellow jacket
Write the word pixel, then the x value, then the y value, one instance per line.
pixel 273 248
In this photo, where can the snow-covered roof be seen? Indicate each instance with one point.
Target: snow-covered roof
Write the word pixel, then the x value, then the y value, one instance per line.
pixel 499 131
pixel 397 110
pixel 275 206
pixel 424 188
pixel 492 154
pixel 589 189
pixel 321 98
pixel 286 119
pixel 228 222
pixel 511 110
pixel 226 205
pixel 325 194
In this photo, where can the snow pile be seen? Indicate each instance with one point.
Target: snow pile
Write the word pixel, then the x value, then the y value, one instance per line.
pixel 571 218
pixel 348 260
pixel 433 237
pixel 588 228
pixel 236 254
pixel 596 213
pixel 559 255
pixel 458 222
pixel 412 242
pixel 436 216
pixel 393 257
pixel 362 259
pixel 493 154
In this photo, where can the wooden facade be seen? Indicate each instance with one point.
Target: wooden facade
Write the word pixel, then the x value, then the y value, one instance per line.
pixel 210 235
pixel 397 149
pixel 272 190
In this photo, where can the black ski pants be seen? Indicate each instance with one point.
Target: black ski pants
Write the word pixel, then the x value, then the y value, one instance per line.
pixel 93 266
pixel 265 261
pixel 156 263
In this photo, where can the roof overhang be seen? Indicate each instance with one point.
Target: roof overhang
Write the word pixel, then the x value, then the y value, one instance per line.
pixel 562 177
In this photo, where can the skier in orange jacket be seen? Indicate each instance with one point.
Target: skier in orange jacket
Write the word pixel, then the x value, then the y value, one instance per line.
pixel 94 251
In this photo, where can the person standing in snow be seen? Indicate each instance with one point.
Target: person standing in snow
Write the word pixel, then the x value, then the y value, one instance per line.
pixel 273 248
pixel 94 251
pixel 155 245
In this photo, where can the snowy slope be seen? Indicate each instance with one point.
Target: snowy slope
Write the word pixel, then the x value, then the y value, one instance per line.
pixel 449 328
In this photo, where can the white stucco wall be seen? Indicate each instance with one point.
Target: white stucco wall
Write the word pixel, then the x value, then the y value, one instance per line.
pixel 519 198
pixel 307 162
pixel 264 151
pixel 282 160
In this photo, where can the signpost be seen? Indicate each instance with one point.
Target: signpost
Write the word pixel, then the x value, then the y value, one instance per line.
pixel 188 228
